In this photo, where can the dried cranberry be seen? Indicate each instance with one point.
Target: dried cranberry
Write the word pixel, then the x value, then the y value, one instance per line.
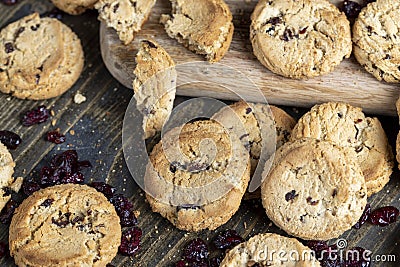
pixel 384 216
pixel 30 187
pixel 104 188
pixel 195 251
pixel 124 210
pixel 47 203
pixel 357 257
pixel 3 249
pixel 216 261
pixel 8 211
pixel 10 139
pixel 291 195
pixel 227 239
pixel 9 2
pixel 55 13
pixel 351 9
pixel 181 263
pixel 364 217
pixel 36 116
pixel 9 48
pixel 317 246
pixel 55 137
pixel 130 241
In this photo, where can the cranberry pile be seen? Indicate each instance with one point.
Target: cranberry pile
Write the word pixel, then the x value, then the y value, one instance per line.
pixel 352 8
pixel 382 216
pixel 130 239
pixel 196 252
pixel 64 168
pixel 55 137
pixel 10 139
pixel 36 116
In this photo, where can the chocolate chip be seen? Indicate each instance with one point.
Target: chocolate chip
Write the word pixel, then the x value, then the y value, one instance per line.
pixel 9 47
pixel 312 202
pixel 291 195
pixel 34 28
pixel 116 8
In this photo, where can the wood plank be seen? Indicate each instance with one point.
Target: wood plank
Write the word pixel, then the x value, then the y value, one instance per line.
pixel 349 82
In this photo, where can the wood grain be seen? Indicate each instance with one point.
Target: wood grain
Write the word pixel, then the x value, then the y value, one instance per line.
pixel 98 124
pixel 349 82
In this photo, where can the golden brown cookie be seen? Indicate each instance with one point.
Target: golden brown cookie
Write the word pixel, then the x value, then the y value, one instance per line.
pixel 74 7
pixel 40 58
pixel 315 189
pixel 154 86
pixel 300 39
pixel 65 225
pixel 347 126
pixel 197 176
pixel 203 26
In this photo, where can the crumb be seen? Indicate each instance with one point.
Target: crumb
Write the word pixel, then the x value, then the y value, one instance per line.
pixel 245 225
pixel 16 185
pixel 72 132
pixel 53 122
pixel 52 113
pixel 79 98
pixel 137 213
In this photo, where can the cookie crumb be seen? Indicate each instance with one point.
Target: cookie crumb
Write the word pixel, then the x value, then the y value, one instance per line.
pixel 79 98
pixel 16 185
pixel 72 132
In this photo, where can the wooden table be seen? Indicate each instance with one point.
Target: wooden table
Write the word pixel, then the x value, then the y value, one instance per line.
pixel 96 135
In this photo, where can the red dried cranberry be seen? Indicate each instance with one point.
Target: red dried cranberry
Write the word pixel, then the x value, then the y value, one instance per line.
pixel 227 239
pixel 36 116
pixel 3 249
pixel 364 217
pixel 181 263
pixel 130 241
pixel 351 9
pixel 291 195
pixel 104 188
pixel 8 211
pixel 47 203
pixel 216 261
pixel 30 187
pixel 9 2
pixel 195 251
pixel 124 210
pixel 10 139
pixel 384 216
pixel 357 257
pixel 55 137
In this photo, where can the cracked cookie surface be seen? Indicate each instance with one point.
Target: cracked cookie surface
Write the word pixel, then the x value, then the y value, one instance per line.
pixel 376 35
pixel 197 176
pixel 347 126
pixel 315 190
pixel 259 250
pixel 154 86
pixel 204 27
pixel 299 39
pixel 125 16
pixel 65 225
pixel 74 7
pixel 40 58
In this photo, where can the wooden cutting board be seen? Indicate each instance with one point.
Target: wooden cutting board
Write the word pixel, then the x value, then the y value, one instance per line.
pixel 349 82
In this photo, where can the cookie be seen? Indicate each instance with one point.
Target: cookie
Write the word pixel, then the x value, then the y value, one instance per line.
pixel 299 39
pixel 154 86
pixel 6 175
pixel 347 126
pixel 65 225
pixel 375 35
pixel 203 26
pixel 74 7
pixel 398 135
pixel 40 58
pixel 248 120
pixel 125 16
pixel 315 189
pixel 263 249
pixel 197 175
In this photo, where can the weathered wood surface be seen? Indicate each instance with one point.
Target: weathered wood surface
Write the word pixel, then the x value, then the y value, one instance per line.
pixel 349 82
pixel 98 123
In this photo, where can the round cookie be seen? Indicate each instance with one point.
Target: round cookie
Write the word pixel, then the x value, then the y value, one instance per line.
pixel 347 126
pixel 6 171
pixel 299 39
pixel 203 26
pixel 197 176
pixel 74 7
pixel 65 225
pixel 259 249
pixel 375 36
pixel 321 192
pixel 40 58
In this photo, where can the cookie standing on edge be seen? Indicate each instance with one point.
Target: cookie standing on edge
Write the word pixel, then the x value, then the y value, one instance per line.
pixel 398 135
pixel 125 16
pixel 315 190
pixel 204 27
pixel 265 249
pixel 74 7
pixel 197 176
pixel 347 126
pixel 40 58
pixel 154 86
pixel 299 39
pixel 65 225
pixel 375 36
